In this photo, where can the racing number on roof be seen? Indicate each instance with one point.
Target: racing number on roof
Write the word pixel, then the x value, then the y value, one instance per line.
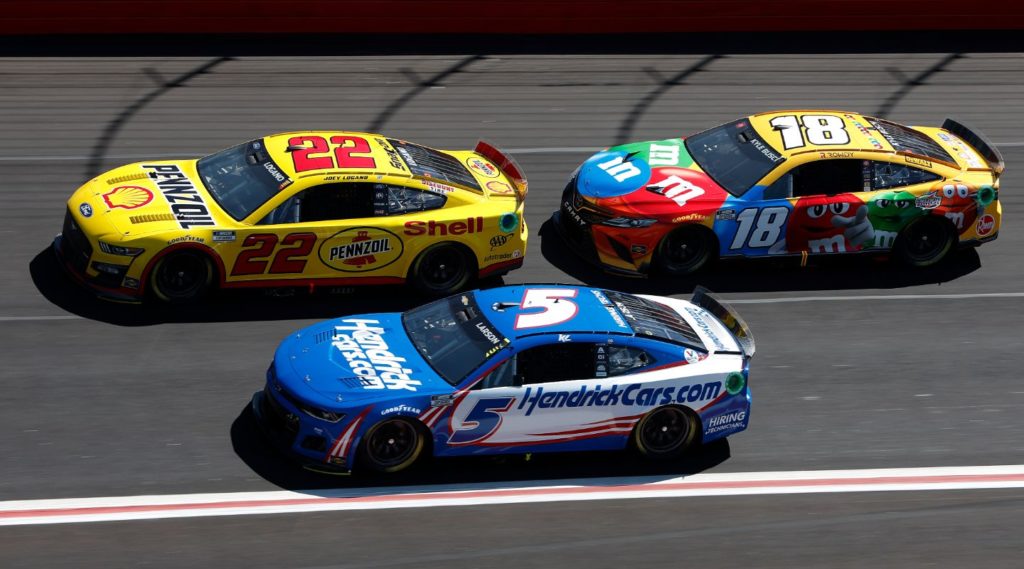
pixel 554 304
pixel 290 258
pixel 348 153
pixel 821 130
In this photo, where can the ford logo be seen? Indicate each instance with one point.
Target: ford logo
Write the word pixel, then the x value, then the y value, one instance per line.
pixel 86 210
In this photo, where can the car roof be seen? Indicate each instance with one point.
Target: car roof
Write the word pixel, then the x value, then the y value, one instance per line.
pixel 390 157
pixel 595 314
pixel 858 125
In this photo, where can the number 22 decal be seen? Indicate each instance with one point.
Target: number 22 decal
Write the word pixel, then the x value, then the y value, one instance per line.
pixel 821 130
pixel 290 258
pixel 554 302
pixel 759 228
pixel 347 153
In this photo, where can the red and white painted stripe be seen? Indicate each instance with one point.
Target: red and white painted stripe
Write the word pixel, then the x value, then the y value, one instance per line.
pixel 27 512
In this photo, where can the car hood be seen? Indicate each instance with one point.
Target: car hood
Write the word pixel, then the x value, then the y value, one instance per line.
pixel 355 358
pixel 149 197
pixel 655 179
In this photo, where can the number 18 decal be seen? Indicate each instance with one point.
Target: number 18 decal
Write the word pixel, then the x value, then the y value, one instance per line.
pixel 821 130
pixel 759 228
pixel 554 302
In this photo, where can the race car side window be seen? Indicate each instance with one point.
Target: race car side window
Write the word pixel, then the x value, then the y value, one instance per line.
pixel 887 175
pixel 327 202
pixel 623 360
pixel 403 200
pixel 830 177
pixel 563 361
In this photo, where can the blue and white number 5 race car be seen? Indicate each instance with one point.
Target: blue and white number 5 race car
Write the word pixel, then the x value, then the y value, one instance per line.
pixel 517 369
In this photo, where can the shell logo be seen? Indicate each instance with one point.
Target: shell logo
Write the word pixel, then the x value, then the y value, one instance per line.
pixel 128 197
pixel 361 249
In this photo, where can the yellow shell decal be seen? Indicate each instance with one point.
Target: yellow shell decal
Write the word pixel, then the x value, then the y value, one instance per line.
pixel 499 187
pixel 361 249
pixel 128 197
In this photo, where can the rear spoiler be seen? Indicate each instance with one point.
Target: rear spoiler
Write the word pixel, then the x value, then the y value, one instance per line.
pixel 703 298
pixel 507 165
pixel 980 143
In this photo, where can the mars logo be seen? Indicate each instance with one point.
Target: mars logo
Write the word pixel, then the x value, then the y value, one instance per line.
pixel 483 168
pixel 128 197
pixel 986 224
pixel 361 249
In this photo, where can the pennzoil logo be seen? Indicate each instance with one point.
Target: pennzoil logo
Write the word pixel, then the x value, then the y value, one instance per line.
pixel 481 167
pixel 361 249
pixel 128 197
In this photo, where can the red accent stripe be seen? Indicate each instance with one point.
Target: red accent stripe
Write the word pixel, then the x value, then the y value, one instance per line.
pixel 504 265
pixel 582 490
pixel 302 282
pixel 617 419
pixel 620 425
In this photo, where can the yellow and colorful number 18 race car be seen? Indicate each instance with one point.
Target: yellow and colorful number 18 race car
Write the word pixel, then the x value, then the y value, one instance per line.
pixel 299 209
pixel 794 183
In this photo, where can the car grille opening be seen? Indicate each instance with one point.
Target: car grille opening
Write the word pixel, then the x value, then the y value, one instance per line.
pixel 278 418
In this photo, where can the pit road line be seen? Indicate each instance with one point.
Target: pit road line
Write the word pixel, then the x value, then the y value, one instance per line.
pixel 36 512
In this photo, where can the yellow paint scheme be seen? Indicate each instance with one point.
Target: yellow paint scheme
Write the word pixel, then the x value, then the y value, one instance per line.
pixel 130 209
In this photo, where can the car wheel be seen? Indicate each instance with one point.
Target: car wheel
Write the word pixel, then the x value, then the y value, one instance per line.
pixel 392 445
pixel 666 432
pixel 182 277
pixel 924 242
pixel 685 250
pixel 441 270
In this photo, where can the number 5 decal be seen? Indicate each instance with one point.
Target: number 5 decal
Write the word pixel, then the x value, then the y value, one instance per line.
pixel 482 422
pixel 554 304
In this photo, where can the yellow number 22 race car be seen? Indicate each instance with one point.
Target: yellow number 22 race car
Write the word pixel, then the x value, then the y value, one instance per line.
pixel 300 209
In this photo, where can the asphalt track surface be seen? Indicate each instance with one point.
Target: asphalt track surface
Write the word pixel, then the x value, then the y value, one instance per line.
pixel 867 368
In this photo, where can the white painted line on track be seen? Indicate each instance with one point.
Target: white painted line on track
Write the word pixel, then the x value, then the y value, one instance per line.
pixel 36 512
pixel 777 300
pixel 877 297
pixel 30 318
pixel 539 150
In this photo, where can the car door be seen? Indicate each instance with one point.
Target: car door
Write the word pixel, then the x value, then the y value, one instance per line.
pixel 560 391
pixel 331 230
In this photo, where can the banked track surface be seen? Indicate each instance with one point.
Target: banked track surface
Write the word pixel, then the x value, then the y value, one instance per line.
pixel 878 373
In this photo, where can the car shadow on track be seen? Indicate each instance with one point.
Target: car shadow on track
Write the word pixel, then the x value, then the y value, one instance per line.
pixel 54 284
pixel 765 275
pixel 278 469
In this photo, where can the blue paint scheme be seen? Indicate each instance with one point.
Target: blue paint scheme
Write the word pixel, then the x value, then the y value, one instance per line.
pixel 310 370
pixel 726 229
pixel 595 182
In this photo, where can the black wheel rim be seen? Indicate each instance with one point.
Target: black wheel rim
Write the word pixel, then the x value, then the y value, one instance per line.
pixel 392 443
pixel 665 431
pixel 684 251
pixel 442 269
pixel 926 240
pixel 182 276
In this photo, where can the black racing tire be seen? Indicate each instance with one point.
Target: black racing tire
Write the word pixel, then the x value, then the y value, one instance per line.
pixel 925 242
pixel 392 445
pixel 442 269
pixel 182 277
pixel 685 251
pixel 665 433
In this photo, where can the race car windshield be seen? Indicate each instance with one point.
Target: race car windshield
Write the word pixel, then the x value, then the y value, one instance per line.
pixel 733 155
pixel 242 178
pixel 652 319
pixel 452 335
